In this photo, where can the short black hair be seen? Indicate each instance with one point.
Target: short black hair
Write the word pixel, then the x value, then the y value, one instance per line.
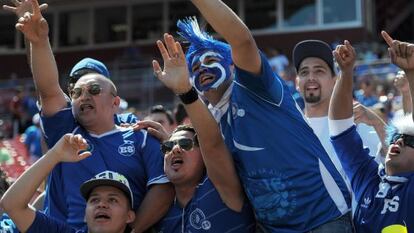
pixel 180 114
pixel 187 128
pixel 161 109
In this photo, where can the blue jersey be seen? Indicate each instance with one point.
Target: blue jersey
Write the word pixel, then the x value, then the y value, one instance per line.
pixel 287 175
pixel 206 212
pixel 136 155
pixel 33 141
pixel 7 225
pixel 383 201
pixel 43 223
pixel 127 118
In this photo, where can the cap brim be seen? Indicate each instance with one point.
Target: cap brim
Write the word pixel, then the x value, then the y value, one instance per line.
pixel 313 48
pixel 87 187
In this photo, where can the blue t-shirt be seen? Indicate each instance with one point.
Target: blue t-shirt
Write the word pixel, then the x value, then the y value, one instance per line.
pixel 43 223
pixel 287 175
pixel 7 225
pixel 383 201
pixel 136 155
pixel 33 141
pixel 206 212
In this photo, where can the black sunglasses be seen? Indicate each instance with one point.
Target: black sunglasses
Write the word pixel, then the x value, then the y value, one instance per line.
pixel 93 89
pixel 184 143
pixel 408 139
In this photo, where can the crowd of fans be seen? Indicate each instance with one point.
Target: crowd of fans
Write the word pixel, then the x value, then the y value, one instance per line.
pixel 258 143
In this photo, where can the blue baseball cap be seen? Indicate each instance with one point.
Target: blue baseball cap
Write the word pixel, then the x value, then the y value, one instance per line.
pixel 91 65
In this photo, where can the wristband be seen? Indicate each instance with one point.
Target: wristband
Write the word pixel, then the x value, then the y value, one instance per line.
pixel 189 97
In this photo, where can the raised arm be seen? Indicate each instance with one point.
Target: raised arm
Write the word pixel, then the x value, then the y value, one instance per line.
pixel 362 114
pixel 401 83
pixel 341 102
pixel 224 21
pixel 216 156
pixel 402 55
pixel 16 200
pixel 19 9
pixel 44 69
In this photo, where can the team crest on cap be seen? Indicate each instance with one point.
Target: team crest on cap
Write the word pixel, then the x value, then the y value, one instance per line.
pixel 127 149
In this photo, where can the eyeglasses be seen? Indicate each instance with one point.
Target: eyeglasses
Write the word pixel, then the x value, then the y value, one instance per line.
pixel 93 89
pixel 184 143
pixel 408 139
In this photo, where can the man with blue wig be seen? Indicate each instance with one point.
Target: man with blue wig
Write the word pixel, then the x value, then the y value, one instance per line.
pixel 287 175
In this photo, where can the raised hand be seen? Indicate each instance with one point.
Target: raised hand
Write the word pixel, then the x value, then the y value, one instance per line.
pixel 362 114
pixel 345 56
pixel 71 148
pixel 401 82
pixel 175 75
pixel 33 25
pixel 21 7
pixel 401 53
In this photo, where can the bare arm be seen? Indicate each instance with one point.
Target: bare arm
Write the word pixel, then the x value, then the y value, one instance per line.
pixel 244 49
pixel 16 200
pixel 155 205
pixel 401 83
pixel 44 69
pixel 216 156
pixel 402 55
pixel 341 104
pixel 19 9
pixel 365 115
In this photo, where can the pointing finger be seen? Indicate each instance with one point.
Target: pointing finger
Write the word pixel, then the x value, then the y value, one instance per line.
pixel 387 38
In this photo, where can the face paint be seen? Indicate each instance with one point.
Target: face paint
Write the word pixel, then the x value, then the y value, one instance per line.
pixel 219 69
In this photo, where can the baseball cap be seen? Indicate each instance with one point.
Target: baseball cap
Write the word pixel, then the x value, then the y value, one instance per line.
pixel 89 64
pixel 313 48
pixel 107 178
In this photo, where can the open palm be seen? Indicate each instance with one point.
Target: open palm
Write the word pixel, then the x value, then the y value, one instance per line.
pixel 33 25
pixel 175 74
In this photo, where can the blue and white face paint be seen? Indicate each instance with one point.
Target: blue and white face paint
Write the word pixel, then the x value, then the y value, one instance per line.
pixel 213 64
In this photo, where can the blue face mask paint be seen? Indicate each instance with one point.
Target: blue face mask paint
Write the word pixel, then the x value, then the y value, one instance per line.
pixel 211 64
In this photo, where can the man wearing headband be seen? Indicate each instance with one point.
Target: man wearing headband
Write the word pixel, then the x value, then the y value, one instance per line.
pixel 384 193
pixel 108 195
pixel 287 175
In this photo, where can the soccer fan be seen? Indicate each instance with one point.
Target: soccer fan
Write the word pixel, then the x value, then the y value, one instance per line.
pixel 84 66
pixel 205 201
pixel 94 102
pixel 315 80
pixel 108 195
pixel 160 114
pixel 383 192
pixel 287 183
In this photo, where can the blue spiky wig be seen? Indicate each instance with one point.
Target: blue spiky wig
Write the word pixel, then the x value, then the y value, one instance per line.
pixel 404 125
pixel 200 40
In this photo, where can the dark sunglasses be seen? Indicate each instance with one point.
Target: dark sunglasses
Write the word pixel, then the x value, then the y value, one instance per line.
pixel 93 89
pixel 184 143
pixel 408 139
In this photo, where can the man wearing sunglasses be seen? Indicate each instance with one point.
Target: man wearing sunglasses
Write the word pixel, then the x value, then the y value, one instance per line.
pixel 94 101
pixel 207 200
pixel 288 177
pixel 384 193
pixel 88 66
